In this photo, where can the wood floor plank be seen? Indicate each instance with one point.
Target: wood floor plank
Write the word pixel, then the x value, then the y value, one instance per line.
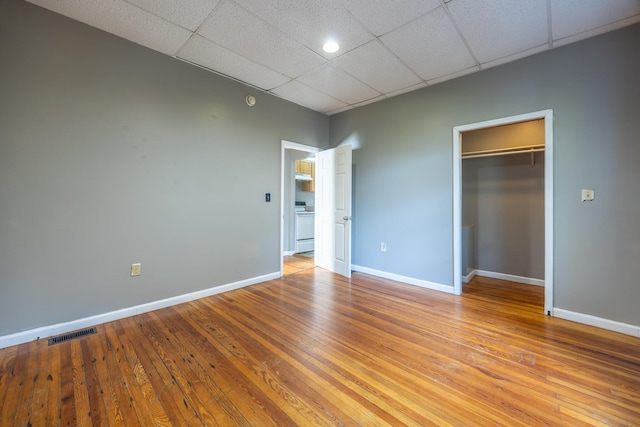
pixel 67 400
pixel 281 367
pixel 297 263
pixel 28 384
pixel 145 398
pixel 97 408
pixel 9 367
pixel 80 392
pixel 12 403
pixel 227 384
pixel 314 348
pixel 38 401
pixel 580 394
pixel 363 401
pixel 277 395
pixel 104 398
pixel 120 374
pixel 301 382
pixel 196 396
pixel 53 406
pixel 401 379
pixel 164 383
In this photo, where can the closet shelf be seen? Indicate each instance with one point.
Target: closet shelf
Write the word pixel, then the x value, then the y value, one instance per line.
pixel 503 151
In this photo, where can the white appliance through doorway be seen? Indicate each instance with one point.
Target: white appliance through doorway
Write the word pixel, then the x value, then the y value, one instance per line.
pixel 305 230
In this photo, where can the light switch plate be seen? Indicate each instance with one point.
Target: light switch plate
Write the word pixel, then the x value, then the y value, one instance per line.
pixel 588 195
pixel 135 269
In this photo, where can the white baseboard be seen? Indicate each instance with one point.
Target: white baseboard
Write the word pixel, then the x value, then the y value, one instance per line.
pixel 468 277
pixel 599 322
pixel 62 328
pixel 288 253
pixel 403 279
pixel 509 277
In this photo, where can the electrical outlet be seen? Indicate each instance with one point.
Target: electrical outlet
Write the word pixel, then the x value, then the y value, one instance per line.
pixel 135 269
pixel 383 247
pixel 588 195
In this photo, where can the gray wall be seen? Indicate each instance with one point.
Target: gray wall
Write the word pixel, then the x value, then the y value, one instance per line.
pixel 503 197
pixel 403 191
pixel 111 154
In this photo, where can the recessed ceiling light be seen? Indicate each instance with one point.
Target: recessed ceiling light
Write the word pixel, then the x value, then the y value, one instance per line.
pixel 330 47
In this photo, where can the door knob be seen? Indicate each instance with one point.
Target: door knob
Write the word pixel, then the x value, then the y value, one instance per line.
pixel 346 218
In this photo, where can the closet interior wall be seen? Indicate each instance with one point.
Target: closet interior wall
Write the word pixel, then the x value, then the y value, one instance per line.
pixel 503 201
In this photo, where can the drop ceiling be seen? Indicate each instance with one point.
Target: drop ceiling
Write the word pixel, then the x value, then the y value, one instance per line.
pixel 387 47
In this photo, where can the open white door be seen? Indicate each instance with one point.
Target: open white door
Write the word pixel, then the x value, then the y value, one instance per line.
pixel 333 210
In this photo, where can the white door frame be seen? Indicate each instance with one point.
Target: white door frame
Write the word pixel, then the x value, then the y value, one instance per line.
pixel 287 145
pixel 547 115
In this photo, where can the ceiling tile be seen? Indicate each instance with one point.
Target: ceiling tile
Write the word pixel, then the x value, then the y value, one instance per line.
pixel 186 13
pixel 369 101
pixel 312 22
pixel 406 90
pixel 243 33
pixel 276 45
pixel 430 46
pixel 339 110
pixel 374 65
pixel 515 56
pixel 498 28
pixel 207 54
pixel 453 75
pixel 338 84
pixel 382 16
pixel 295 91
pixel 569 17
pixel 597 31
pixel 124 20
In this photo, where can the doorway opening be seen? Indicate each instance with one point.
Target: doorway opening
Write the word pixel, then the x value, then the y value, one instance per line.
pixel 297 243
pixel 332 205
pixel 459 231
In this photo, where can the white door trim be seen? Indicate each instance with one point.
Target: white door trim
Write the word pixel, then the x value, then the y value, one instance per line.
pixel 287 145
pixel 547 115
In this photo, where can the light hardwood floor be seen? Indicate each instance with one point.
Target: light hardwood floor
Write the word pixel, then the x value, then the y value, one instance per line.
pixel 297 263
pixel 313 348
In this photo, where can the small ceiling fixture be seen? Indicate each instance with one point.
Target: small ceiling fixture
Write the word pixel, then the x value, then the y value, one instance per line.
pixel 331 46
pixel 251 100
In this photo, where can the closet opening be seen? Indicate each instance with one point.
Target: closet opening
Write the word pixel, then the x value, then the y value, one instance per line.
pixel 503 180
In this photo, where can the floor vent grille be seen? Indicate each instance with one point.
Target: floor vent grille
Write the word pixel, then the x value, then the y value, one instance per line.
pixel 72 335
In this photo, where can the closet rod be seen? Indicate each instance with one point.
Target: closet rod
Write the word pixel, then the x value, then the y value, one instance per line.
pixel 497 150
pixel 490 153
